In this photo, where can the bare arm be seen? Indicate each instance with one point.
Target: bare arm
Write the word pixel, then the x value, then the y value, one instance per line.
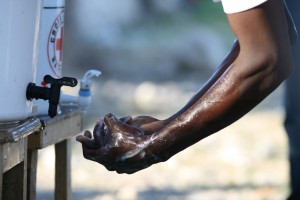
pixel 262 63
pixel 258 62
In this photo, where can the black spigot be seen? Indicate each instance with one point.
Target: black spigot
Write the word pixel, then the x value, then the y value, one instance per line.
pixel 51 94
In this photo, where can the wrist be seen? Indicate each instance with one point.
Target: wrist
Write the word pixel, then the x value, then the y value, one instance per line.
pixel 156 150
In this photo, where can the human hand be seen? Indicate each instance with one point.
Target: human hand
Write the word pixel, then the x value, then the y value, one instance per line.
pixel 148 125
pixel 123 145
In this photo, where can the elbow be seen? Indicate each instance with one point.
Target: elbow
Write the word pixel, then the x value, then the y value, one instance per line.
pixel 273 70
pixel 268 70
pixel 279 67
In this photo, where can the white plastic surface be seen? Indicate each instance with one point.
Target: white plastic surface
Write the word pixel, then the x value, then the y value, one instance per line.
pixel 53 3
pixel 50 46
pixel 19 29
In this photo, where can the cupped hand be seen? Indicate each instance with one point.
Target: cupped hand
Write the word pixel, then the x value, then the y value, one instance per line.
pixel 148 125
pixel 123 145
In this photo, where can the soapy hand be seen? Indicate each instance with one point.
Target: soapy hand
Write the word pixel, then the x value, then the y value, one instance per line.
pixel 123 145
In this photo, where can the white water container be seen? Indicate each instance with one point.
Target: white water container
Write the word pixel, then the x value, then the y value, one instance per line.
pixel 50 46
pixel 19 30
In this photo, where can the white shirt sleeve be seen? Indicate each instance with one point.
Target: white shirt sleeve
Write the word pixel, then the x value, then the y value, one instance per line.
pixel 235 6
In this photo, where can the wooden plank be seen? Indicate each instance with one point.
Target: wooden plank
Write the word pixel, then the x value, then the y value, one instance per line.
pixel 13 154
pixel 63 170
pixel 32 159
pixel 12 132
pixel 56 130
pixel 15 180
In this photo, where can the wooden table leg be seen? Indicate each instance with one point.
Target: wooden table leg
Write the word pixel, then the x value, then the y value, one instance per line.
pixel 15 180
pixel 1 169
pixel 32 155
pixel 63 170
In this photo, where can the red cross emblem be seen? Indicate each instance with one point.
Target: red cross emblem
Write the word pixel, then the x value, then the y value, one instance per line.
pixel 59 43
pixel 55 44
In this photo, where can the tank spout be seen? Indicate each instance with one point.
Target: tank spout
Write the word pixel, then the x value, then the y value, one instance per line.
pixel 51 94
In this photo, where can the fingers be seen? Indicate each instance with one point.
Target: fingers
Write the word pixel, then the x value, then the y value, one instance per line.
pixel 99 133
pixel 100 145
pixel 145 119
pixel 111 121
pixel 85 136
pixel 88 134
pixel 115 126
pixel 93 154
pixel 86 140
pixel 126 120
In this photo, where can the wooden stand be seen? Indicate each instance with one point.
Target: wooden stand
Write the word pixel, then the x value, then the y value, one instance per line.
pixel 19 144
pixel 13 158
pixel 58 132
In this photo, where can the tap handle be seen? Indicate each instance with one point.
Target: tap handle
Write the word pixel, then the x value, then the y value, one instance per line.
pixel 51 94
pixel 64 81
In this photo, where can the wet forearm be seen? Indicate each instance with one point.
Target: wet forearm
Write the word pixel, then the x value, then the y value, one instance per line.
pixel 261 63
pixel 228 60
pixel 220 103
